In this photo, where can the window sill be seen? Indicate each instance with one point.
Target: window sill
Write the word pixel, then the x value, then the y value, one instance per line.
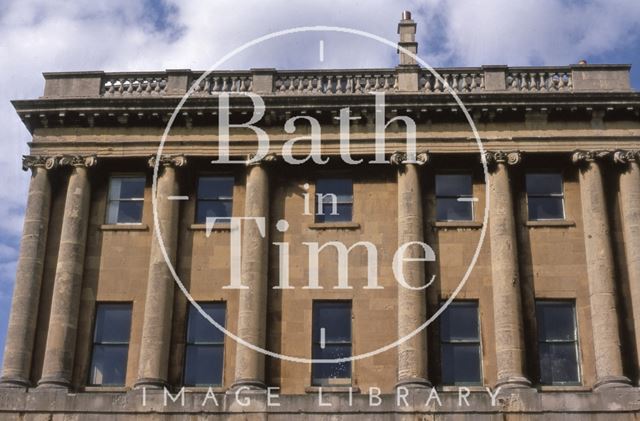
pixel 216 227
pixel 456 389
pixel 567 388
pixel 551 223
pixel 457 224
pixel 332 389
pixel 124 227
pixel 204 389
pixel 334 225
pixel 106 389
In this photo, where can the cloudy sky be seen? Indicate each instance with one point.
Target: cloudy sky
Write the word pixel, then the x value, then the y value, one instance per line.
pixel 61 35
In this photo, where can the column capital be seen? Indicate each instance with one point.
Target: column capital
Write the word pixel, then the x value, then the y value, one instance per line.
pixel 502 157
pixel 77 160
pixel 29 162
pixel 584 157
pixel 168 161
pixel 401 158
pixel 267 159
pixel 625 157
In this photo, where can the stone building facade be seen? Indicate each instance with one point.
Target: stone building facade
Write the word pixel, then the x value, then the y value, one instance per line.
pixel 552 301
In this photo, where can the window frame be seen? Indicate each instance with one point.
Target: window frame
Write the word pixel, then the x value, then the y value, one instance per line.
pixel 575 341
pixel 471 196
pixel 560 195
pixel 348 381
pixel 318 204
pixel 95 344
pixel 217 199
pixel 119 200
pixel 188 344
pixel 463 342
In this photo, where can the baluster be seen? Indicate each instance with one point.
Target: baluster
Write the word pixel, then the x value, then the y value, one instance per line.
pixel 367 84
pixel 386 86
pixel 464 83
pixel 437 87
pixel 473 85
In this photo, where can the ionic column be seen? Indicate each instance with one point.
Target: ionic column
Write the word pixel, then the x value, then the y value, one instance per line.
pixel 153 363
pixel 600 271
pixel 63 321
pixel 252 313
pixel 18 348
pixel 507 299
pixel 630 207
pixel 411 303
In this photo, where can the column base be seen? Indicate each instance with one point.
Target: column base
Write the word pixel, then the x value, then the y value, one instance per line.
pixel 611 382
pixel 515 382
pixel 414 383
pixel 54 383
pixel 252 385
pixel 150 383
pixel 14 382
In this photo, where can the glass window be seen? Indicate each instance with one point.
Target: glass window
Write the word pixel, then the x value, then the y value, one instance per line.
pixel 215 198
pixel 126 197
pixel 460 344
pixel 331 340
pixel 110 344
pixel 204 352
pixel 557 342
pixel 545 197
pixel 334 199
pixel 454 197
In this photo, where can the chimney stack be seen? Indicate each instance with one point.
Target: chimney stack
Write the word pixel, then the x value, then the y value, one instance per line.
pixel 407 31
pixel 408 71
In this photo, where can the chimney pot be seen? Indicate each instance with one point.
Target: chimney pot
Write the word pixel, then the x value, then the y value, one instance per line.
pixel 406 15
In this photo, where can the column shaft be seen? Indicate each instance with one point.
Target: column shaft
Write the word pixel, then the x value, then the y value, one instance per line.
pixel 153 364
pixel 630 207
pixel 252 313
pixel 26 292
pixel 412 304
pixel 63 322
pixel 601 276
pixel 507 304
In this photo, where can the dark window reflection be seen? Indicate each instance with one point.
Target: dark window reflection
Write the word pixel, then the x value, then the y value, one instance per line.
pixel 545 197
pixel 557 342
pixel 110 344
pixel 215 198
pixel 331 340
pixel 334 200
pixel 204 352
pixel 460 344
pixel 454 197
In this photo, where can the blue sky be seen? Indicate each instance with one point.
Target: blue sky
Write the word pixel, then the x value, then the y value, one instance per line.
pixel 60 35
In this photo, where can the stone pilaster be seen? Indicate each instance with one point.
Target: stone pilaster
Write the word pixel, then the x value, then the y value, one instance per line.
pixel 252 313
pixel 630 209
pixel 18 348
pixel 411 303
pixel 153 363
pixel 63 321
pixel 600 271
pixel 507 299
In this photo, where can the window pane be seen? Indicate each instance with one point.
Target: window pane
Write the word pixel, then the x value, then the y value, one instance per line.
pixel 460 322
pixel 454 185
pixel 544 183
pixel 215 187
pixel 203 365
pixel 448 209
pixel 322 372
pixel 129 212
pixel 556 321
pixel 545 208
pixel 210 209
pixel 113 323
pixel 341 187
pixel 558 363
pixel 109 365
pixel 461 364
pixel 343 211
pixel 200 330
pixel 335 318
pixel 131 188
